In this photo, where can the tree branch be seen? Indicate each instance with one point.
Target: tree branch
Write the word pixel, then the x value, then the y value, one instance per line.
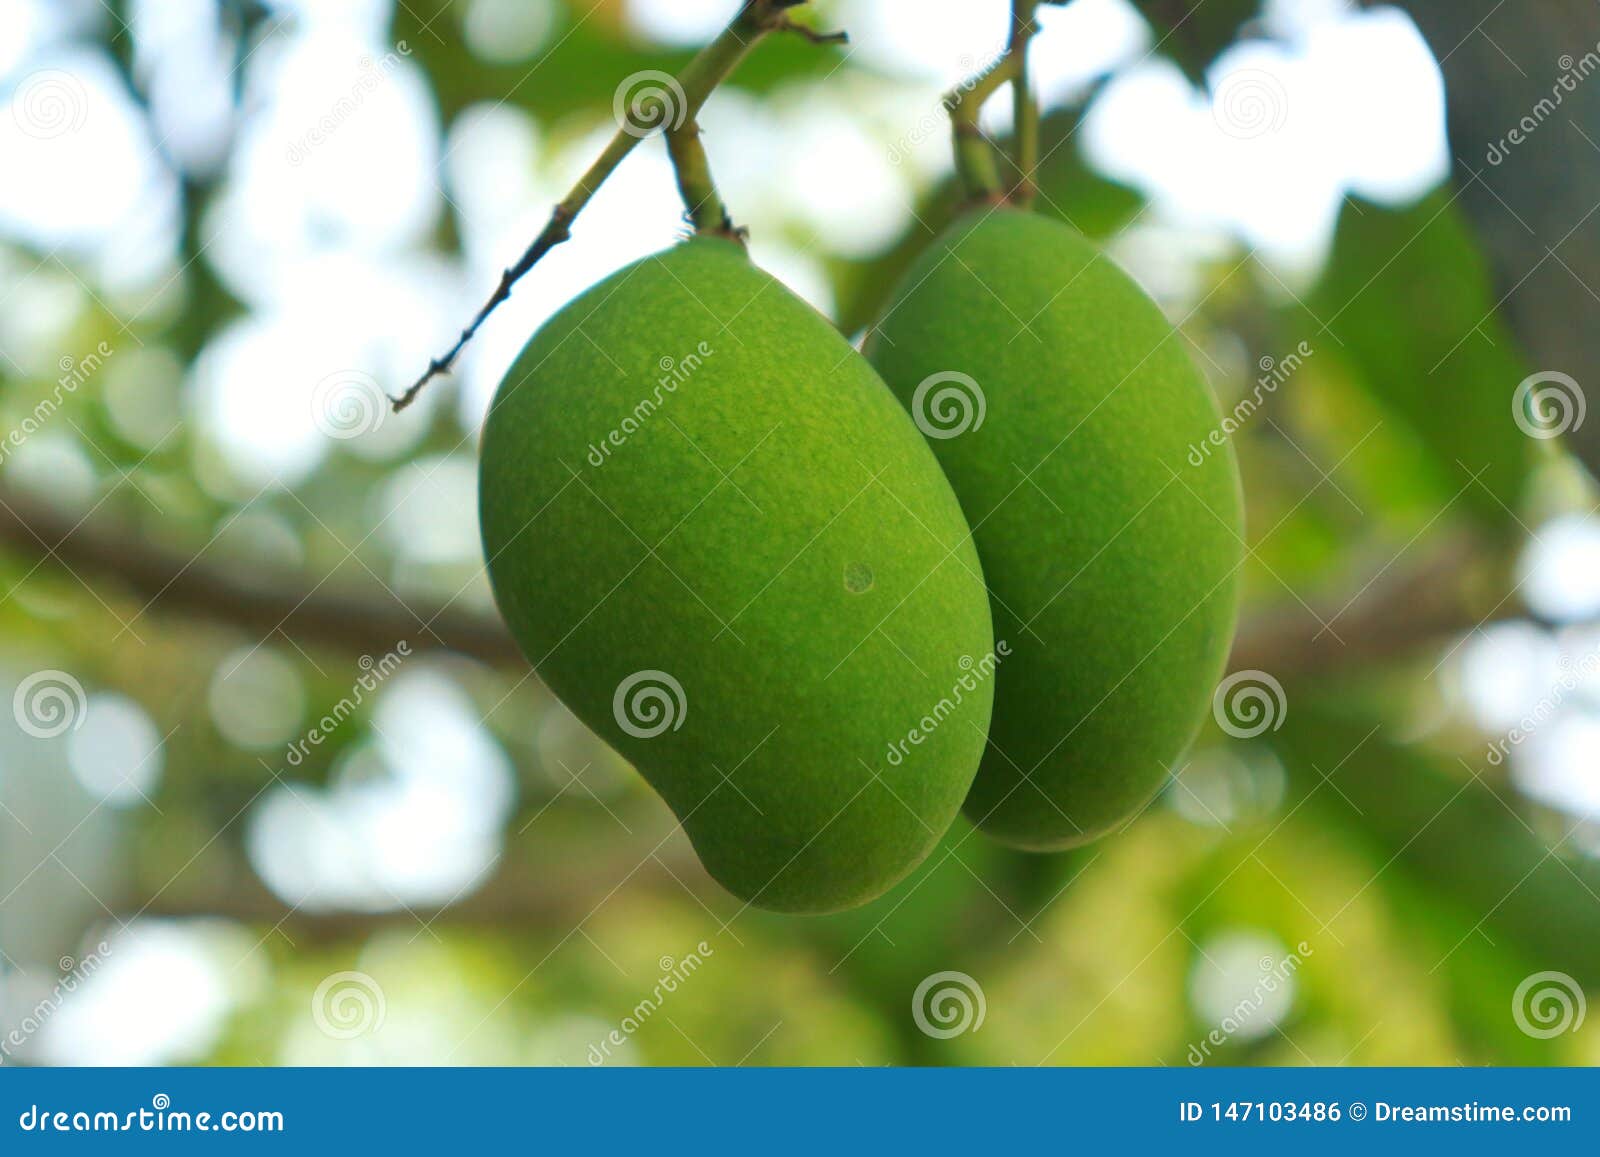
pixel 171 581
pixel 1397 613
pixel 1400 612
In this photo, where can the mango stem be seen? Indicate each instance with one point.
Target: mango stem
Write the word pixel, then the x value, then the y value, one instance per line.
pixel 1025 102
pixel 672 106
pixel 695 184
pixel 974 153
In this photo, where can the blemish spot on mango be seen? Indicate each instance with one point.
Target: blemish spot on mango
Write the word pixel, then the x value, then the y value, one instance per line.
pixel 857 577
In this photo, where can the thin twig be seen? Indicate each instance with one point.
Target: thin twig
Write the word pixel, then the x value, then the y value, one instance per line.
pixel 811 34
pixel 552 235
pixel 675 112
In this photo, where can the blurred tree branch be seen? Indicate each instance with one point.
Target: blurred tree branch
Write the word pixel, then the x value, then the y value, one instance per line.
pixel 255 600
pixel 1396 612
pixel 1403 608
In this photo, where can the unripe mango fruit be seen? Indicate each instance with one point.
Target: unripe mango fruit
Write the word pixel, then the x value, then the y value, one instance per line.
pixel 724 545
pixel 1065 410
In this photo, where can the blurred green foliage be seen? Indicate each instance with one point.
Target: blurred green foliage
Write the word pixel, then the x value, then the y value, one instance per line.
pixel 1406 300
pixel 1423 884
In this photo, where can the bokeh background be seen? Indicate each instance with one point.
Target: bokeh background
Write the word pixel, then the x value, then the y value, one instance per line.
pixel 227 227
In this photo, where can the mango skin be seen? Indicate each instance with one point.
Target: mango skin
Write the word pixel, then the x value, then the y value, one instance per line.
pixel 1110 555
pixel 775 535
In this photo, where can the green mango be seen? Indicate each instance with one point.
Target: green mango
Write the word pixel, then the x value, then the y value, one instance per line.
pixel 1077 435
pixel 724 545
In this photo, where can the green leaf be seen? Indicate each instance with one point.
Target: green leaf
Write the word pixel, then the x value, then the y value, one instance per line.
pixel 1406 303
